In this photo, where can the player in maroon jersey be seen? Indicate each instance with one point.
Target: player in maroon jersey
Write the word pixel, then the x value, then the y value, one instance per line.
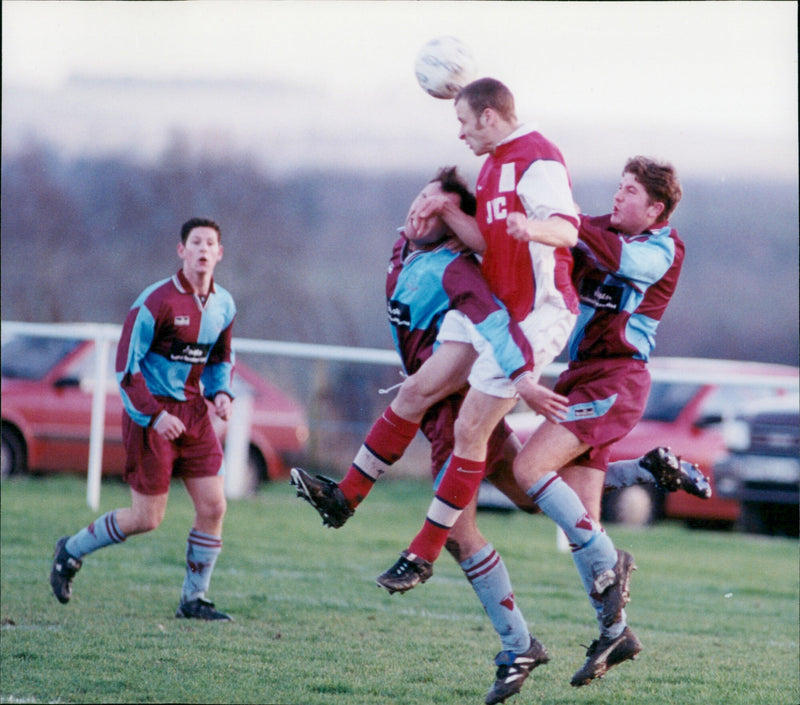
pixel 627 266
pixel 175 348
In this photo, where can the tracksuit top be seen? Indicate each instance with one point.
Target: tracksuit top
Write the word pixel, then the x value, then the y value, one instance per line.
pixel 174 346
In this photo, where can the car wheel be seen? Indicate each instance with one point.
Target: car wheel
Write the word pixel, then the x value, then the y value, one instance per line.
pixel 637 505
pixel 12 454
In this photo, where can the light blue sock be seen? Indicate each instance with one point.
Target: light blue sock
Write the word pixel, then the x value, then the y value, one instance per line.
pixel 592 549
pixel 624 473
pixel 489 578
pixel 100 533
pixel 202 551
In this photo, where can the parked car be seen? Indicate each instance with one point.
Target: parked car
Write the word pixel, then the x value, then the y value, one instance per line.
pixel 762 467
pixel 687 414
pixel 47 387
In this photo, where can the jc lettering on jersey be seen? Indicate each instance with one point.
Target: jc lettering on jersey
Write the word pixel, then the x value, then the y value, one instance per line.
pixel 497 209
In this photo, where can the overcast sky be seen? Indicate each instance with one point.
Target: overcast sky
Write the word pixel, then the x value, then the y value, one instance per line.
pixel 719 68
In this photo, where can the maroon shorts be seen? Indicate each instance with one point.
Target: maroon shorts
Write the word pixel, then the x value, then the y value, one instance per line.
pixel 437 426
pixel 606 400
pixel 152 460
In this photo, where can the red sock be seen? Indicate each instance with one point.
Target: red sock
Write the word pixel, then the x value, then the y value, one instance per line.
pixel 386 442
pixel 459 484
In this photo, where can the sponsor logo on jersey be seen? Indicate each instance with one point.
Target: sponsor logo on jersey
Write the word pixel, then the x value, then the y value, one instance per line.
pixel 598 295
pixel 182 320
pixel 193 353
pixel 399 313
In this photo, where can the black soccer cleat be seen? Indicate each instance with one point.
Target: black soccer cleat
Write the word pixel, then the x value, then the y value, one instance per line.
pixel 513 669
pixel 613 588
pixel 409 571
pixel 605 653
pixel 673 474
pixel 64 568
pixel 324 495
pixel 201 609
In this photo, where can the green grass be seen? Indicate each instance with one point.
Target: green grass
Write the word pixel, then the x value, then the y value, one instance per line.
pixel 717 612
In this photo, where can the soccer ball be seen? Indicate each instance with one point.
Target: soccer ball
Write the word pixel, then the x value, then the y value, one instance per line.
pixel 444 66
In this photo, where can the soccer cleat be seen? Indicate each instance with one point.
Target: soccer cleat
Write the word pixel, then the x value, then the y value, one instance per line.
pixel 613 588
pixel 64 568
pixel 672 473
pixel 408 572
pixel 513 669
pixel 201 609
pixel 605 653
pixel 324 495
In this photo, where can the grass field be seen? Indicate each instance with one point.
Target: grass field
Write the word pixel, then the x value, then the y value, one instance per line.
pixel 717 612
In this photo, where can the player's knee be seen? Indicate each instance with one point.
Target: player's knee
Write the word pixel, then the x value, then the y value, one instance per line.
pixel 470 434
pixel 148 521
pixel 414 396
pixel 213 511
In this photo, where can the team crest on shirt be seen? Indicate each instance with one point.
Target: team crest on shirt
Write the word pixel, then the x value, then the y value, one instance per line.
pixel 181 320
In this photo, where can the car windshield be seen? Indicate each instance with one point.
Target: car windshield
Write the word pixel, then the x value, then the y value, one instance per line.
pixel 31 357
pixel 667 399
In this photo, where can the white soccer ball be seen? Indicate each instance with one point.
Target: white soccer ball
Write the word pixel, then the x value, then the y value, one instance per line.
pixel 444 66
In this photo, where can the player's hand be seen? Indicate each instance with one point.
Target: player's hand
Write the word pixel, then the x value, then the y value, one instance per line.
pixel 169 426
pixel 431 207
pixel 542 400
pixel 222 406
pixel 517 226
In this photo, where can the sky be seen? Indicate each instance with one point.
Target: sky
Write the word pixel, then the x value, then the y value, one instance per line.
pixel 695 74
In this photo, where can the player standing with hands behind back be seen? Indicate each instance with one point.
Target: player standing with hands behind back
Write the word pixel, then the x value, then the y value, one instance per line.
pixel 177 335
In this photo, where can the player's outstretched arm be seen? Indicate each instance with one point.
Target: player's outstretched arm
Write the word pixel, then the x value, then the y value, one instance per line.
pixel 555 231
pixel 464 226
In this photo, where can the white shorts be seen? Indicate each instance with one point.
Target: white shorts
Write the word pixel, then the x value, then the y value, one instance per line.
pixel 547 329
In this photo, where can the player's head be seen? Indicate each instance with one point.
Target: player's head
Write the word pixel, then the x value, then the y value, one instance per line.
pixel 193 223
pixel 451 182
pixel 659 179
pixel 647 194
pixel 200 247
pixel 485 110
pixel 428 231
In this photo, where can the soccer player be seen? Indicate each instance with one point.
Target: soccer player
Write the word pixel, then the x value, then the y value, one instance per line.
pixel 176 337
pixel 523 185
pixel 430 289
pixel 627 265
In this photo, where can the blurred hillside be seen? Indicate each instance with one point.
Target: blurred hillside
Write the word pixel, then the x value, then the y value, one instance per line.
pixel 306 253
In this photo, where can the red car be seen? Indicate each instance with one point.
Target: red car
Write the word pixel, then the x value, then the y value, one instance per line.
pixel 47 402
pixel 689 401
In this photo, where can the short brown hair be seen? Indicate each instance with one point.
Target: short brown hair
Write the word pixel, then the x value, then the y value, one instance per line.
pixel 452 182
pixel 193 223
pixel 659 179
pixel 489 93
